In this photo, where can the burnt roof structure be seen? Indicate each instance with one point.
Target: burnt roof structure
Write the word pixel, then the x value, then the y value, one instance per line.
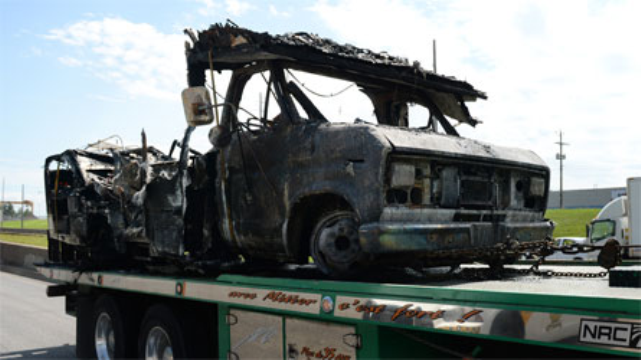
pixel 234 47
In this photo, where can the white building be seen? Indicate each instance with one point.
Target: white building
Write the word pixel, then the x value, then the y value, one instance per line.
pixel 585 198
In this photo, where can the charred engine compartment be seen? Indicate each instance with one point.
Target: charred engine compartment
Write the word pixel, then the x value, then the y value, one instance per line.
pixel 108 204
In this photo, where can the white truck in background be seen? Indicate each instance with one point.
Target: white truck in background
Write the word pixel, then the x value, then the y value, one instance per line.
pixel 620 219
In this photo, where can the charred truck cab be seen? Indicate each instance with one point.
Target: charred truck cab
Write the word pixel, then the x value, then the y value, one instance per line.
pixel 285 183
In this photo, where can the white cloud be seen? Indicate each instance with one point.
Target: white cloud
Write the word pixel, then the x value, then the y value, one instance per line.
pixel 278 13
pixel 546 66
pixel 136 56
pixel 105 98
pixel 238 7
pixel 70 61
pixel 35 51
pixel 209 7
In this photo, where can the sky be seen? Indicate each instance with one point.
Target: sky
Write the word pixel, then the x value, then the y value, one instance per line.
pixel 75 71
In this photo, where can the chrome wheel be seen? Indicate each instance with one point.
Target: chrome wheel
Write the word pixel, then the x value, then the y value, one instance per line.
pixel 104 337
pixel 158 345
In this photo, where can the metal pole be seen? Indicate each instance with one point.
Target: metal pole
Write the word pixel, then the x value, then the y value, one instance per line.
pixel 561 166
pixel 22 209
pixel 213 87
pixel 434 55
pixel 2 206
pixel 433 119
pixel 560 156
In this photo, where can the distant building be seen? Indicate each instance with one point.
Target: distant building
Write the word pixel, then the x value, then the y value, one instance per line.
pixel 584 198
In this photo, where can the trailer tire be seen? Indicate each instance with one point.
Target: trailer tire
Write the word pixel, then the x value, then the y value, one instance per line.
pixel 107 331
pixel 85 348
pixel 161 334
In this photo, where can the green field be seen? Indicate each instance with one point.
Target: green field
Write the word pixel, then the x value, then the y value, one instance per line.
pixel 34 240
pixel 571 222
pixel 40 224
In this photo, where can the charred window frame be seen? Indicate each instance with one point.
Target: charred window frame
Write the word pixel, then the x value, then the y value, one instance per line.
pixel 276 82
pixel 371 85
pixel 62 176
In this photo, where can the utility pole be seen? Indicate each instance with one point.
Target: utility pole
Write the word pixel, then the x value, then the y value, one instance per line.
pixel 22 210
pixel 434 55
pixel 432 118
pixel 561 156
pixel 2 207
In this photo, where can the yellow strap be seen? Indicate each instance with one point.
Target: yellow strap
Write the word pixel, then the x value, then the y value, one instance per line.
pixel 55 200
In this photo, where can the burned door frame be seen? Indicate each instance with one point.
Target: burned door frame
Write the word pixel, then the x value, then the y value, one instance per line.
pixel 246 171
pixel 54 198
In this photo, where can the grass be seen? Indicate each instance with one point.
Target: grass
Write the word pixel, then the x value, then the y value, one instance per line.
pixel 34 240
pixel 571 222
pixel 39 224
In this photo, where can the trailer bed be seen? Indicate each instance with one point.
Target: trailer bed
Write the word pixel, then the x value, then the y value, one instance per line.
pixel 585 315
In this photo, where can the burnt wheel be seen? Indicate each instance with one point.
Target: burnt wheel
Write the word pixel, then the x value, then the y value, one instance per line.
pixel 334 242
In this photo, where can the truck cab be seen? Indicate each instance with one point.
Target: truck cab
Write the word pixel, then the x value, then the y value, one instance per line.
pixel 610 222
pixel 391 189
pixel 620 219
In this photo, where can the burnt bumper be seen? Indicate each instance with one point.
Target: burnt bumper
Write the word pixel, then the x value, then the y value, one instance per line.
pixel 419 238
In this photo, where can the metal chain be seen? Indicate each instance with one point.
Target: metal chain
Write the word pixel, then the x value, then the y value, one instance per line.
pixel 511 251
pixel 534 270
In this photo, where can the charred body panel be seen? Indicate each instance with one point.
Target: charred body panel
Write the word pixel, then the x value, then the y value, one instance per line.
pixel 115 205
pixel 283 187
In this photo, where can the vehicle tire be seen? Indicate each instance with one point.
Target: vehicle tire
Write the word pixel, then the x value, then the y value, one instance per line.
pixel 107 330
pixel 335 245
pixel 85 347
pixel 161 335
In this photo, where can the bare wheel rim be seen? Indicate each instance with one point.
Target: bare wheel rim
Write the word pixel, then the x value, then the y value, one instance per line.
pixel 336 244
pixel 158 345
pixel 104 337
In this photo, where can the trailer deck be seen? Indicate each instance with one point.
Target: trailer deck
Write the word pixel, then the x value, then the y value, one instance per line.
pixel 575 314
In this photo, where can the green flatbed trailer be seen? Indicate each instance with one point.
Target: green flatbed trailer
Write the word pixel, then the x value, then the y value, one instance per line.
pixel 241 316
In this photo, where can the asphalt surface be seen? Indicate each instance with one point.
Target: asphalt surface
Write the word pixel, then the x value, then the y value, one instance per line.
pixel 31 324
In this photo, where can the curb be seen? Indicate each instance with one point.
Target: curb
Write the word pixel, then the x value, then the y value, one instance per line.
pixel 23 231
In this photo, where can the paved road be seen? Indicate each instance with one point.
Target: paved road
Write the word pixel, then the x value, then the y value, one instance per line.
pixel 31 324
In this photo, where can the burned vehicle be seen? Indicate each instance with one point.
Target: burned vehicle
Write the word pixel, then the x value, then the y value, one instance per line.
pixel 285 183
